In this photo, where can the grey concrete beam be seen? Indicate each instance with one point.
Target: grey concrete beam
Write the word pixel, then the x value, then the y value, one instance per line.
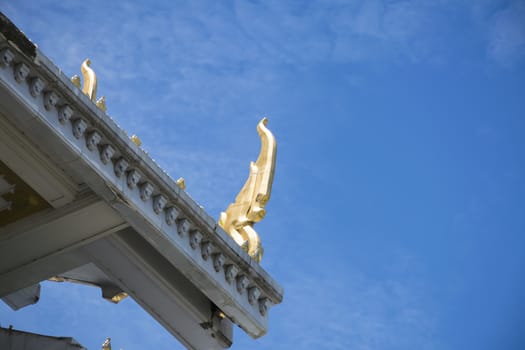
pixel 28 246
pixel 23 297
pixel 161 290
pixel 26 275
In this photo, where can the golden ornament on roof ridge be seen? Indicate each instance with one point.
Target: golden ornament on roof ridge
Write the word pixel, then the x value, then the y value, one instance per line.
pixel 89 87
pixel 248 208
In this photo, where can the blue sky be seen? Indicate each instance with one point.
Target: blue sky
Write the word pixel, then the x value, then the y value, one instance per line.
pixel 397 215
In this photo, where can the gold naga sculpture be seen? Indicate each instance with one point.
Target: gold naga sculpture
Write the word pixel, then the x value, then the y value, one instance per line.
pixel 90 89
pixel 90 84
pixel 248 208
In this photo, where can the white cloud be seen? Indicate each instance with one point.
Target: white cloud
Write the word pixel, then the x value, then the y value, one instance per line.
pixel 345 308
pixel 507 34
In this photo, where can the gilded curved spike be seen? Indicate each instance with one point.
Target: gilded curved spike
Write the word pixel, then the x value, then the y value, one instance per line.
pixel 90 80
pixel 265 170
pixel 239 218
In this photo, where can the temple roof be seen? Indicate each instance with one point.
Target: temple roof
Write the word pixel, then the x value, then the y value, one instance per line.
pixel 13 339
pixel 110 216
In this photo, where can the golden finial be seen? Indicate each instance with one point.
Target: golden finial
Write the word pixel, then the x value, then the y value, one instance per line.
pixel 106 345
pixel 90 84
pixel 90 80
pixel 75 79
pixel 136 140
pixel 101 103
pixel 239 218
pixel 117 298
pixel 181 183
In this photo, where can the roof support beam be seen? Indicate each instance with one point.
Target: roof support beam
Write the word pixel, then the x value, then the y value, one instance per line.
pixel 42 269
pixel 161 290
pixel 35 248
pixel 23 297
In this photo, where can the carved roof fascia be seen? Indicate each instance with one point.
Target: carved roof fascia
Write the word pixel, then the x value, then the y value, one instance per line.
pixel 156 196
